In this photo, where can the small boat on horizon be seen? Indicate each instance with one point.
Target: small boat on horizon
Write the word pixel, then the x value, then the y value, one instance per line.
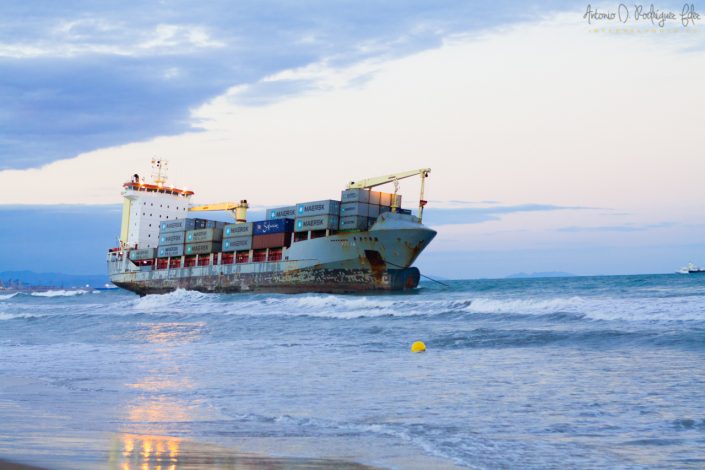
pixel 692 269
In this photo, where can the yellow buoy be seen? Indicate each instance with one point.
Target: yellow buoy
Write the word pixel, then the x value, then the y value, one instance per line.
pixel 418 346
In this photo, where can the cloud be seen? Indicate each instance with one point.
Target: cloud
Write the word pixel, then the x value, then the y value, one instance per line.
pixel 475 215
pixel 79 76
pixel 617 228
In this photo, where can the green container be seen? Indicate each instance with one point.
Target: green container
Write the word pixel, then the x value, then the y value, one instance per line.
pixel 204 235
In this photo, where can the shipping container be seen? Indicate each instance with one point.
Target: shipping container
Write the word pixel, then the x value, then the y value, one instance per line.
pixel 374 211
pixel 204 235
pixel 355 208
pixel 370 222
pixel 353 222
pixel 383 209
pixel 214 224
pixel 237 230
pixel 177 225
pixel 144 253
pixel 237 243
pixel 374 197
pixel 202 248
pixel 287 212
pixel 170 251
pixel 317 222
pixel 325 207
pixel 385 199
pixel 171 238
pixel 273 226
pixel 271 240
pixel 355 195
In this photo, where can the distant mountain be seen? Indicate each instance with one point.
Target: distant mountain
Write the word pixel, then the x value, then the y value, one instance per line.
pixel 30 278
pixel 543 274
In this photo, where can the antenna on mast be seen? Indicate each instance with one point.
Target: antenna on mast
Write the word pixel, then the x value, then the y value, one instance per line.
pixel 159 170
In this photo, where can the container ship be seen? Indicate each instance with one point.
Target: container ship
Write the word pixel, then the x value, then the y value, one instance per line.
pixel 363 242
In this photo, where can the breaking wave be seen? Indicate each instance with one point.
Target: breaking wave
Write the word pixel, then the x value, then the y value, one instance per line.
pixel 636 309
pixel 61 293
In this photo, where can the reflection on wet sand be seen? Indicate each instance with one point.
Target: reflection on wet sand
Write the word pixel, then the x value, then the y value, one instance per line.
pixel 158 411
pixel 144 452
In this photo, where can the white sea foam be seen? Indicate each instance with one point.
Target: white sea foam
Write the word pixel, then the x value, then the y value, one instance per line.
pixel 7 296
pixel 350 307
pixel 59 293
pixel 599 308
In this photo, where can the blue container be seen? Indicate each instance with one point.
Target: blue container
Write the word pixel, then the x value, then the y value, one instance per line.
pixel 288 212
pixel 266 227
pixel 325 207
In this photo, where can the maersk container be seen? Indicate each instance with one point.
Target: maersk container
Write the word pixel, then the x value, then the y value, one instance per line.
pixel 374 211
pixel 202 248
pixel 385 199
pixel 374 197
pixel 171 238
pixel 238 230
pixel 354 222
pixel 204 235
pixel 271 240
pixel 144 253
pixel 325 207
pixel 355 208
pixel 355 195
pixel 170 251
pixel 288 212
pixel 317 222
pixel 237 244
pixel 177 225
pixel 265 227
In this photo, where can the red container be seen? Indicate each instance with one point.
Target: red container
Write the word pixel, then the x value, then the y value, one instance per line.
pixel 271 240
pixel 242 257
pixel 227 258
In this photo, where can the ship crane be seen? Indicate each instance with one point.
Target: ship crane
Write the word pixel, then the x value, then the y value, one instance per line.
pixel 370 183
pixel 237 209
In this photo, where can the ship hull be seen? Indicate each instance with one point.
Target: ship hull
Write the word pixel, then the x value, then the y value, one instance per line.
pixel 376 260
pixel 333 281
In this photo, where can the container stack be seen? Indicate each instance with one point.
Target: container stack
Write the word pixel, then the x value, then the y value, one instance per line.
pixel 204 241
pixel 360 208
pixel 317 215
pixel 189 237
pixel 237 237
pixel 273 233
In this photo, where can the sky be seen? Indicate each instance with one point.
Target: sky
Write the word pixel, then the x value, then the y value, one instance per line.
pixel 555 144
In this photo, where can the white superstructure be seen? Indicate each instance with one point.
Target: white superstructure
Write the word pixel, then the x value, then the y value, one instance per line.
pixel 145 205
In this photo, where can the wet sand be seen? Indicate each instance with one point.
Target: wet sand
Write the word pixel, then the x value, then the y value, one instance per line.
pixel 129 451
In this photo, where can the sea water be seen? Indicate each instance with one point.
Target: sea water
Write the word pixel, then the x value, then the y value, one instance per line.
pixel 584 372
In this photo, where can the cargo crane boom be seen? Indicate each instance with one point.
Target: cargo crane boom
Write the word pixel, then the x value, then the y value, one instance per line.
pixel 370 183
pixel 237 209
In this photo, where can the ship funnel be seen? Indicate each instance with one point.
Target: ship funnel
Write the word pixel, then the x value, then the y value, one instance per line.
pixel 241 211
